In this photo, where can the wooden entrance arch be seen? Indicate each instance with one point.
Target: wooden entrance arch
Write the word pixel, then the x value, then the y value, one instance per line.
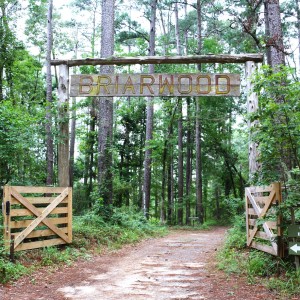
pixel 249 60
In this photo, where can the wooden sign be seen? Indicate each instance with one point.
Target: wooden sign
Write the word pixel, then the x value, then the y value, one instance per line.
pixel 294 248
pixel 155 85
pixel 294 231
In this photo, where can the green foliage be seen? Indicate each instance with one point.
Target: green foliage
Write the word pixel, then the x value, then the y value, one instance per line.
pixel 236 237
pixel 288 285
pixel 229 259
pixel 258 266
pixel 278 129
pixel 114 227
pixel 17 133
pixel 11 271
pixel 53 256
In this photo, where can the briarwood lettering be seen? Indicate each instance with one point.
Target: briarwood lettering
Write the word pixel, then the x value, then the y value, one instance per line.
pixel 155 85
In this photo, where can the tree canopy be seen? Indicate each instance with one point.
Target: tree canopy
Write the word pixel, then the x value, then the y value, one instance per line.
pixel 172 157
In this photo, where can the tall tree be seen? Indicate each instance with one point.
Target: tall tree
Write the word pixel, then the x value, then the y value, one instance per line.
pixel 180 164
pixel 180 129
pixel 149 120
pixel 274 43
pixel 105 109
pixel 199 194
pixel 8 46
pixel 49 137
pixel 189 150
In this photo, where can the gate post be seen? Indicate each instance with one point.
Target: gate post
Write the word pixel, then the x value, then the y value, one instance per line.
pixel 278 199
pixel 6 207
pixel 252 106
pixel 63 124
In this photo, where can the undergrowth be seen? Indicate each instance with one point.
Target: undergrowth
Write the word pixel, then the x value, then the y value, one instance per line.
pixel 91 234
pixel 258 267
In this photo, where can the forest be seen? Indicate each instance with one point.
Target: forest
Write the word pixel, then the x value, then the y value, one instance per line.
pixel 173 158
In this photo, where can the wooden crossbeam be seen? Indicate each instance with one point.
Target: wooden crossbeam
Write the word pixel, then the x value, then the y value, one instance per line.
pixel 41 216
pixel 188 59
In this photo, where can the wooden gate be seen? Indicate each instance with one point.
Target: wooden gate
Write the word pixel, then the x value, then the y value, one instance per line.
pixel 42 218
pixel 263 225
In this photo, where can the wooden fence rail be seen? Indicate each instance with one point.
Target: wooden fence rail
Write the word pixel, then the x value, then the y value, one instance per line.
pixel 36 217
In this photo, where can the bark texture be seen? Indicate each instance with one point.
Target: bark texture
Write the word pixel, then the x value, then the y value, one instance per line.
pixel 63 123
pixel 105 111
pixel 199 194
pixel 252 106
pixel 275 48
pixel 149 119
pixel 180 165
pixel 49 137
pixel 143 60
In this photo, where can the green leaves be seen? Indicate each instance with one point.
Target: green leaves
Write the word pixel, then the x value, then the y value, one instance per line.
pixel 279 120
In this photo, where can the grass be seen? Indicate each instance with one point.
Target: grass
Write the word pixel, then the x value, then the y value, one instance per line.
pixel 91 234
pixel 258 267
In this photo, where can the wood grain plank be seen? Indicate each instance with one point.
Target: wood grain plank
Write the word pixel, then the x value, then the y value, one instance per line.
pixel 44 233
pixel 264 248
pixel 38 190
pixel 26 212
pixel 40 244
pixel 26 223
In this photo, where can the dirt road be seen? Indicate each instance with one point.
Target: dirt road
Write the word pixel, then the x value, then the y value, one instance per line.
pixel 179 266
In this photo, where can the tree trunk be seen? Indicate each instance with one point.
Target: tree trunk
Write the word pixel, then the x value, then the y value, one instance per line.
pixel 170 215
pixel 275 51
pixel 63 123
pixel 177 33
pixel 163 26
pixel 275 48
pixel 186 31
pixel 180 164
pixel 49 137
pixel 4 44
pixel 73 127
pixel 199 194
pixel 72 141
pixel 199 198
pixel 141 163
pixel 217 197
pixel 180 129
pixel 165 173
pixel 163 180
pixel 252 107
pixel 188 162
pixel 105 112
pixel 149 120
pixel 199 26
pixel 91 144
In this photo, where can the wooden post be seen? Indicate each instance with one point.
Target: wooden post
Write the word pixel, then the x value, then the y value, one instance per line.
pixel 252 106
pixel 63 123
pixel 278 199
pixel 12 249
pixel 6 216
